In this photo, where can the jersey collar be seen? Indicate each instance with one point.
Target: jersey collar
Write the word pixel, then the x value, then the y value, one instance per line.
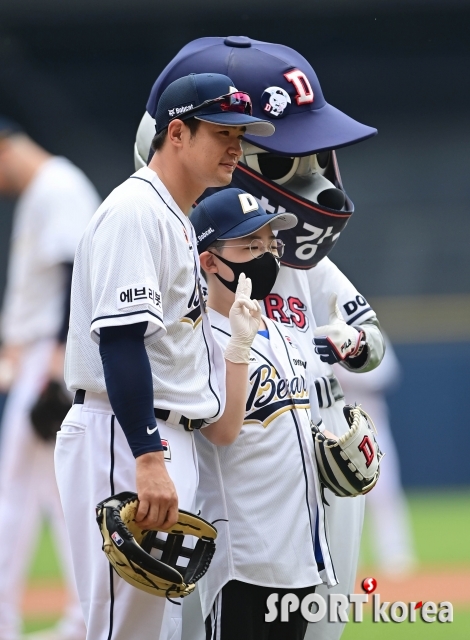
pixel 148 174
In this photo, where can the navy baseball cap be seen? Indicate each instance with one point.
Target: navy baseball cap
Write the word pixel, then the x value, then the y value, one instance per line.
pixel 283 88
pixel 233 213
pixel 210 97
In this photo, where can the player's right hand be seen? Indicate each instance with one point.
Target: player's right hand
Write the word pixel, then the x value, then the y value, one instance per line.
pixel 158 500
pixel 245 318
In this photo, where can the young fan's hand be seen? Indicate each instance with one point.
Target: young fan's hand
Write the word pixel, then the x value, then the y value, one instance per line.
pixel 245 317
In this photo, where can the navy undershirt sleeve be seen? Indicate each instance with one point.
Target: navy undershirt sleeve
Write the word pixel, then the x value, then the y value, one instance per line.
pixel 129 384
pixel 64 325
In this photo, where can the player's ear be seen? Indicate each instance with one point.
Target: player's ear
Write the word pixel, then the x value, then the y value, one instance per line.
pixel 208 262
pixel 175 132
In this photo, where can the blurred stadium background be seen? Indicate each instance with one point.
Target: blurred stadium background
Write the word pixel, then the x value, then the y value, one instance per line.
pixel 77 74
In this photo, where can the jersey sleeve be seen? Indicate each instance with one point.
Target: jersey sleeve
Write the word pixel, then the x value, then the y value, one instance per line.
pixel 124 273
pixel 66 211
pixel 326 279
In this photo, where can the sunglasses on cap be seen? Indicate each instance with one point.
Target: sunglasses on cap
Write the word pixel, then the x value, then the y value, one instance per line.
pixel 237 102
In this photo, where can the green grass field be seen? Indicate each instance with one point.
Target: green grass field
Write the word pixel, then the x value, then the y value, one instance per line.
pixel 441 525
pixel 459 629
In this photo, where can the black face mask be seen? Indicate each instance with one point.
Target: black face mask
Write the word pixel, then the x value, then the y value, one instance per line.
pixel 262 272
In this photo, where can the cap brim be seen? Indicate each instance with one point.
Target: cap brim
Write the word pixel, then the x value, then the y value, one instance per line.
pixel 278 222
pixel 309 132
pixel 255 126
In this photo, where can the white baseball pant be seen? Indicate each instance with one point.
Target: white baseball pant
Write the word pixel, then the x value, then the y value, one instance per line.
pixel 93 461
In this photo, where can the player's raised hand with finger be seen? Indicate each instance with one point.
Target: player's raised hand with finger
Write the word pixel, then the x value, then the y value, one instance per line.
pixel 245 318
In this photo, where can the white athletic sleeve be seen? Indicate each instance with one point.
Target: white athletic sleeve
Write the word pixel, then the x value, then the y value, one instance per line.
pixel 325 279
pixel 68 206
pixel 125 285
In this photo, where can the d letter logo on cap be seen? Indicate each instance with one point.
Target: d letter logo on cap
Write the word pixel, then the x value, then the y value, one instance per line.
pixel 302 86
pixel 248 202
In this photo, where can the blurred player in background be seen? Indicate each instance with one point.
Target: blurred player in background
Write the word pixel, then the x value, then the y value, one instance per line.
pixel 386 506
pixel 55 203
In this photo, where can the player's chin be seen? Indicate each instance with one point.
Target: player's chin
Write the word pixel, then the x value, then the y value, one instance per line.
pixel 224 175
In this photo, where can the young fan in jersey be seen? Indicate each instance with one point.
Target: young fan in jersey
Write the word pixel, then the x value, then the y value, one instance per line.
pixel 140 355
pixel 257 477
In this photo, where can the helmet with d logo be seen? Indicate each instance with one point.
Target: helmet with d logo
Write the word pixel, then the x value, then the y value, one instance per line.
pixel 295 169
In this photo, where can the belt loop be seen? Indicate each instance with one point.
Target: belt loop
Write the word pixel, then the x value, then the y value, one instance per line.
pixel 79 397
pixel 174 417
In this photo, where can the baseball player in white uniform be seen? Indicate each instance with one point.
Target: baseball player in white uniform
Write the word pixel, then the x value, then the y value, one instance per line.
pixel 263 488
pixel 141 357
pixel 56 202
pixel 391 535
pixel 296 171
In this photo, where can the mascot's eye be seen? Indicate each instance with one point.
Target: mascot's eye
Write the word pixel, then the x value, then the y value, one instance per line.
pixel 274 167
pixel 323 158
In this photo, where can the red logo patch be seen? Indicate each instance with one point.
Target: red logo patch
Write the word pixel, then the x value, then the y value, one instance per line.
pixel 302 86
pixel 369 585
pixel 367 449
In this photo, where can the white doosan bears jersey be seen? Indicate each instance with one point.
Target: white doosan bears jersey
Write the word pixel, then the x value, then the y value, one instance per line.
pixel 137 262
pixel 50 218
pixel 264 486
pixel 326 278
pixel 300 301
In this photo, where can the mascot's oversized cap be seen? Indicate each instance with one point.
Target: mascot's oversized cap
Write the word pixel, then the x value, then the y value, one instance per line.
pixel 283 88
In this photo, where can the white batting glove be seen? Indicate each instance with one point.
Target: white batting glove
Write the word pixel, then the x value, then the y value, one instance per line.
pixel 337 341
pixel 245 317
